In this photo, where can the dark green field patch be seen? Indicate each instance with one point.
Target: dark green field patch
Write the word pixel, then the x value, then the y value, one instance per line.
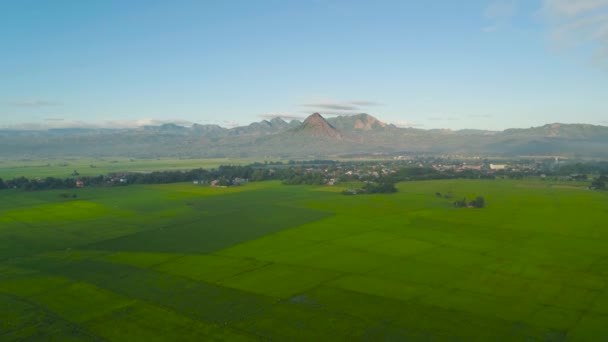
pixel 279 281
pixel 21 320
pixel 32 285
pixel 209 268
pixel 197 300
pixel 145 322
pixel 220 222
pixel 74 301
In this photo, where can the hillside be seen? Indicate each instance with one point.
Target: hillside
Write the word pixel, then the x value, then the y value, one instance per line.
pixel 315 136
pixel 316 126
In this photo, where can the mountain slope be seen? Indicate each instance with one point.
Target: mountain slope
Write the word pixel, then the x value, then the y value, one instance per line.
pixel 361 121
pixel 315 137
pixel 316 126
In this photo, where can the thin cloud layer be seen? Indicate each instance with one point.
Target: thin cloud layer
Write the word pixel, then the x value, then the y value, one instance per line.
pixel 364 103
pixel 575 23
pixel 34 103
pixel 58 123
pixel 405 124
pixel 573 7
pixel 333 106
pixel 284 116
pixel 337 113
pixel 499 14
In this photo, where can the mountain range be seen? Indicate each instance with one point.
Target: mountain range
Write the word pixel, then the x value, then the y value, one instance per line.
pixel 315 137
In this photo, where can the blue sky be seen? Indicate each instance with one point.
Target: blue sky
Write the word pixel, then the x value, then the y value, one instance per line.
pixel 427 64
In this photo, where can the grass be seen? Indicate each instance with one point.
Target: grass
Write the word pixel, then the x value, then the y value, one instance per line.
pixel 273 262
pixel 63 168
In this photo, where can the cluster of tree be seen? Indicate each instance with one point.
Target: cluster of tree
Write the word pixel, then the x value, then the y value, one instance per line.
pixel 590 167
pixel 383 187
pixel 427 173
pixel 302 177
pixel 48 183
pixel 312 172
pixel 599 183
pixel 224 172
pixel 478 202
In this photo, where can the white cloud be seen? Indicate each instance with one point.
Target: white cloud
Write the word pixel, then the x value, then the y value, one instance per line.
pixel 573 7
pixel 500 9
pixel 499 14
pixel 579 23
pixel 284 116
pixel 333 105
pixel 55 123
pixel 405 124
pixel 336 113
pixel 365 103
pixel 35 103
pixel 481 116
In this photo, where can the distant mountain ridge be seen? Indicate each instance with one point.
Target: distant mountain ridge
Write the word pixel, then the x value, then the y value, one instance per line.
pixel 314 137
pixel 316 126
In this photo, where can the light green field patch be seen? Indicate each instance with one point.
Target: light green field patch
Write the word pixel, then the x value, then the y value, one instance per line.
pixel 66 211
pixel 279 281
pixel 364 239
pixel 480 304
pixel 414 231
pixel 401 247
pixel 63 167
pixel 7 272
pixel 209 268
pixel 472 241
pixel 329 229
pixel 266 245
pixel 586 279
pixel 73 254
pixel 76 301
pixel 146 322
pixel 453 257
pixel 509 286
pixel 420 272
pixel 187 190
pixel 378 287
pixel 331 257
pixel 30 286
pixel 541 257
pixel 140 259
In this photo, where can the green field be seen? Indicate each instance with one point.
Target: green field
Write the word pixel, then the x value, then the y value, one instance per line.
pixel 271 262
pixel 63 168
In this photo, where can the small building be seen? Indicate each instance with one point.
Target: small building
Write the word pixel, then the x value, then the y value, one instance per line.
pixel 239 181
pixel 79 183
pixel 498 166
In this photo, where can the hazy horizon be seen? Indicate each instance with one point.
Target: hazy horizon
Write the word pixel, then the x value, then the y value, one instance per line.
pixel 141 123
pixel 434 64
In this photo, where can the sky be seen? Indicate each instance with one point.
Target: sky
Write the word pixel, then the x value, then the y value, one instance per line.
pixel 425 64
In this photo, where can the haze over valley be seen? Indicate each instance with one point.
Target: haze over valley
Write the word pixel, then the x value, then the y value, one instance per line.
pixel 299 171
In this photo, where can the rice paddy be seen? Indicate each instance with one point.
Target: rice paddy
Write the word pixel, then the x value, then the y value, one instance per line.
pixel 300 263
